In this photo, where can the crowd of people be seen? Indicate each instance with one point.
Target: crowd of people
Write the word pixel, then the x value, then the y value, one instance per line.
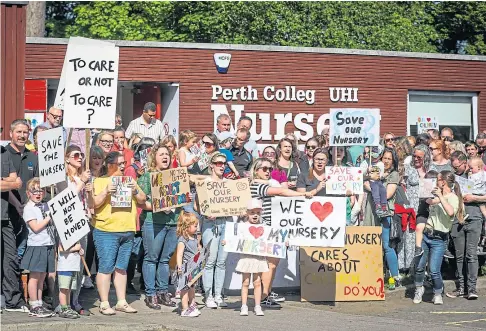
pixel 124 239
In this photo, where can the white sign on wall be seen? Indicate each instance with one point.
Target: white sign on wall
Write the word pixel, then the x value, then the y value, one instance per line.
pixel 51 157
pixel 354 126
pixel 426 123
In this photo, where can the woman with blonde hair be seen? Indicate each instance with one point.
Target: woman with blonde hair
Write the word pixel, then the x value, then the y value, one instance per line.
pixel 388 140
pixel 457 145
pixel 105 140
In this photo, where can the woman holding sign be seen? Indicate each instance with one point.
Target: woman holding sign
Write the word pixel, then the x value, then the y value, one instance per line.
pixel 159 235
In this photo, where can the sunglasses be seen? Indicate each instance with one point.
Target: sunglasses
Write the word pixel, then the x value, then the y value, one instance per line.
pixel 265 169
pixel 433 149
pixel 219 164
pixel 311 147
pixel 207 144
pixel 269 154
pixel 77 156
pixel 449 139
pixel 56 116
pixel 36 192
pixel 389 140
pixel 106 142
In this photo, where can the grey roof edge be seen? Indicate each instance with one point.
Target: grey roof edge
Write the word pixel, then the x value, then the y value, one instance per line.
pixel 20 3
pixel 235 47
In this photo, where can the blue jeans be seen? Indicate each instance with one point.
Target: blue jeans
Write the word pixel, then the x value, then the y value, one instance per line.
pixel 434 250
pixel 159 243
pixel 390 254
pixel 113 249
pixel 213 231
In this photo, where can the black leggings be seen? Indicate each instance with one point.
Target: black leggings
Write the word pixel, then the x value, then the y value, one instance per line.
pixel 90 253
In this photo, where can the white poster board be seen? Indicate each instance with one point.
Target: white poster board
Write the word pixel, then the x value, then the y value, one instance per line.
pixel 68 215
pixel 317 222
pixel 426 186
pixel 339 180
pixel 426 123
pixel 354 126
pixel 467 185
pixel 51 157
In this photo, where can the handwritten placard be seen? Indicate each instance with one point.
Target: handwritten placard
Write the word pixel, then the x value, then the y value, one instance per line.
pixel 318 222
pixel 353 126
pixel 339 180
pixel 170 189
pixel 426 123
pixel 223 198
pixel 91 86
pixel 467 185
pixel 144 155
pixel 69 217
pixel 426 186
pixel 352 273
pixel 192 270
pixel 123 195
pixel 51 157
pixel 254 239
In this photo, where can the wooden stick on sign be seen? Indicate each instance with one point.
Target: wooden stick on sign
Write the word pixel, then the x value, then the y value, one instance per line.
pixel 85 266
pixel 88 140
pixel 334 155
pixel 70 135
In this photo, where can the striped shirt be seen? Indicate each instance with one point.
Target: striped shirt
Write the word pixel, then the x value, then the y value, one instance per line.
pixel 155 130
pixel 259 191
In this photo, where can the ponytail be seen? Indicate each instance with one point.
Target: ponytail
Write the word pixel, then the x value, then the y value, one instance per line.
pixel 460 211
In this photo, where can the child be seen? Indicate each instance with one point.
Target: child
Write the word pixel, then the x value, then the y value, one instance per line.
pixel 375 172
pixel 478 176
pixel 422 216
pixel 68 267
pixel 250 265
pixel 39 257
pixel 225 140
pixel 188 159
pixel 187 248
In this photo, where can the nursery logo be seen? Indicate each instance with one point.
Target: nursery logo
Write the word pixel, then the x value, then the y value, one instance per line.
pixel 222 61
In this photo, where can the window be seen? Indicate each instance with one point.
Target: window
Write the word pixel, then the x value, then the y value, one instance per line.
pixel 455 110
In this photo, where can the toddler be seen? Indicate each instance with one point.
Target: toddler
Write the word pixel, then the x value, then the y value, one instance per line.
pixel 68 267
pixel 422 216
pixel 478 176
pixel 226 139
pixel 374 172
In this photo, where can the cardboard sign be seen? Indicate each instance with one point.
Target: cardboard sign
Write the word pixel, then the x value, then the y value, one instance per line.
pixel 352 126
pixel 170 189
pixel 427 123
pixel 352 273
pixel 426 186
pixel 51 157
pixel 192 270
pixel 254 239
pixel 317 222
pixel 467 185
pixel 144 157
pixel 91 86
pixel 342 179
pixel 223 198
pixel 123 195
pixel 69 217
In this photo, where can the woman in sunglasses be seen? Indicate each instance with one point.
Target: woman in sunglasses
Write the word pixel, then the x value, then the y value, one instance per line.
pixel 310 146
pixel 440 156
pixel 388 140
pixel 278 175
pixel 211 144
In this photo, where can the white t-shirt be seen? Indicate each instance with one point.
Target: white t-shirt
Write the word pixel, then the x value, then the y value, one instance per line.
pixel 32 213
pixel 479 180
pixel 69 261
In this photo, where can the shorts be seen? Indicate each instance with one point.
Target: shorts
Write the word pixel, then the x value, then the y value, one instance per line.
pixel 39 259
pixel 67 280
pixel 421 220
pixel 113 249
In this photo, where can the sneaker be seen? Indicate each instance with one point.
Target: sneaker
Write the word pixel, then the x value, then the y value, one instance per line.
pixel 189 313
pixel 419 251
pixel 48 311
pixel 275 297
pixel 151 302
pixel 438 299
pixel 125 308
pixel 244 310
pixel 22 309
pixel 210 303
pixel 472 295
pixel 258 311
pixel 177 295
pixel 40 312
pixel 68 313
pixel 220 302
pixel 270 303
pixel 448 254
pixel 398 282
pixel 457 293
pixel 81 311
pixel 391 284
pixel 419 293
pixel 163 298
pixel 88 283
pixel 194 306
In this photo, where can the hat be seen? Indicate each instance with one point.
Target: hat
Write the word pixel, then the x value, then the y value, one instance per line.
pixel 254 203
pixel 149 106
pixel 376 151
pixel 222 136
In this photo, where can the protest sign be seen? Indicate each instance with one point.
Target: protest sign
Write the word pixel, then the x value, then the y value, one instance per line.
pixel 426 186
pixel 353 126
pixel 254 239
pixel 51 157
pixel 192 270
pixel 170 189
pixel 427 123
pixel 467 185
pixel 342 179
pixel 144 158
pixel 223 198
pixel 69 217
pixel 318 222
pixel 352 273
pixel 123 195
pixel 91 87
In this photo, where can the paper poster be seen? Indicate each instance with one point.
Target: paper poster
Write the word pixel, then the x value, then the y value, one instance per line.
pixel 427 123
pixel 91 87
pixel 467 185
pixel 352 273
pixel 199 150
pixel 339 180
pixel 69 217
pixel 170 189
pixel 353 126
pixel 35 119
pixel 123 196
pixel 254 239
pixel 51 157
pixel 192 270
pixel 223 198
pixel 318 222
pixel 426 186
pixel 144 154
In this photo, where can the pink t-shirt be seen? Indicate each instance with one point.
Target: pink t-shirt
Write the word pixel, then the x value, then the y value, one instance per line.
pixel 279 175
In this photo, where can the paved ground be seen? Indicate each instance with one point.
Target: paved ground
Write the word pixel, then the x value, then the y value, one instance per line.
pixel 396 313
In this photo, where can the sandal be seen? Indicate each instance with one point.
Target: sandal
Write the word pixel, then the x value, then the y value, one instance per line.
pixel 126 308
pixel 108 311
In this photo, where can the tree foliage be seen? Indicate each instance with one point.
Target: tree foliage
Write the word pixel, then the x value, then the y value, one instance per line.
pixel 449 27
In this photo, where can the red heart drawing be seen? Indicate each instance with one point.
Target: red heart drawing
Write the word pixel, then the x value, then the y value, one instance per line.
pixel 359 171
pixel 196 257
pixel 321 211
pixel 256 232
pixel 428 119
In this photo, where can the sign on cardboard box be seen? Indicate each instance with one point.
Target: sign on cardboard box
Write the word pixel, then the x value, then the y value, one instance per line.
pixel 192 270
pixel 318 222
pixel 223 198
pixel 69 217
pixel 51 157
pixel 170 189
pixel 339 180
pixel 354 126
pixel 426 186
pixel 123 195
pixel 426 123
pixel 254 239
pixel 351 273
